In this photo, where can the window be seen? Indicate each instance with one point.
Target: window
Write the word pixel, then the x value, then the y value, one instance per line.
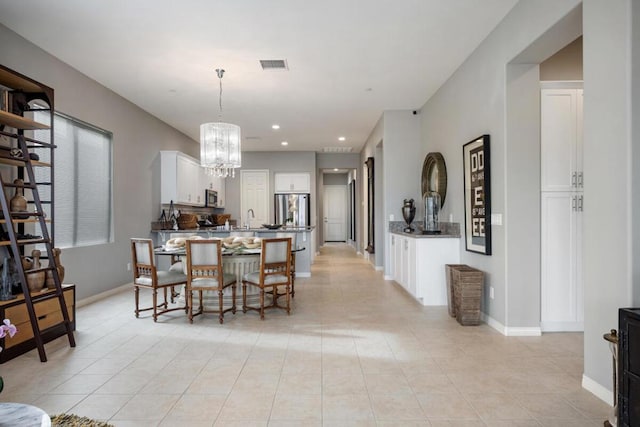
pixel 82 181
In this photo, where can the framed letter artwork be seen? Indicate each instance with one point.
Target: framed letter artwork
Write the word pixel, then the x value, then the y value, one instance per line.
pixel 477 195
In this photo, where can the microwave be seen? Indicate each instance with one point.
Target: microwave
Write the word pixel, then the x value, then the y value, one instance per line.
pixel 211 198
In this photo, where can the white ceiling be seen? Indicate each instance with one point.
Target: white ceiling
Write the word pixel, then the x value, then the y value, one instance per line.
pixel 349 60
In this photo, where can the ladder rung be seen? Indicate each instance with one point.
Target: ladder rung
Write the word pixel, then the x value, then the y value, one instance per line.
pixel 23 215
pixel 43 202
pixel 44 183
pixel 38 270
pixel 24 185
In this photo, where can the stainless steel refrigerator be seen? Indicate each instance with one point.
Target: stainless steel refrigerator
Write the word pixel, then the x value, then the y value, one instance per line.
pixel 293 210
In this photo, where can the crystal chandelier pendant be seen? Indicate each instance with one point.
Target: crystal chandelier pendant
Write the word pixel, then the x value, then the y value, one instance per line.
pixel 220 152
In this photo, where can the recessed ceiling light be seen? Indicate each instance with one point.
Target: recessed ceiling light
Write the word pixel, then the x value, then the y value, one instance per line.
pixel 342 138
pixel 276 127
pixel 335 169
pixel 284 143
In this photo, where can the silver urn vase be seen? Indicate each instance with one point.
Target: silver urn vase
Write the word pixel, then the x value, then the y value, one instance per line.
pixel 408 213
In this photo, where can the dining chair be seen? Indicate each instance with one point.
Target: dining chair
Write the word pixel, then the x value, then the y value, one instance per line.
pixel 146 275
pixel 293 237
pixel 274 273
pixel 204 273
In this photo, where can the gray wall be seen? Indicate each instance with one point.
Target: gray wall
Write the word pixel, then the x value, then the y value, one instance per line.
pixel 472 103
pixel 137 138
pixel 395 145
pixel 608 195
pixel 335 179
pixel 369 150
pixel 566 64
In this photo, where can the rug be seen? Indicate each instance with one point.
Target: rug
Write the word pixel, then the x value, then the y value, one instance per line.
pixel 71 420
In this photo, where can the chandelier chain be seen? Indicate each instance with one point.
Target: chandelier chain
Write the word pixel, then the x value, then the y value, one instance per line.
pixel 220 73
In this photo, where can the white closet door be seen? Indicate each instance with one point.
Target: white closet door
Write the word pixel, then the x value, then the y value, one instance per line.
pixel 558 139
pixel 561 298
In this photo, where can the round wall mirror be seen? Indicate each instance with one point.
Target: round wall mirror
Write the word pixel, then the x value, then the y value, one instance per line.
pixel 434 175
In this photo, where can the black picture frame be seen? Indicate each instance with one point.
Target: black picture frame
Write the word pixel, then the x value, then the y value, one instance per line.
pixel 477 195
pixel 370 206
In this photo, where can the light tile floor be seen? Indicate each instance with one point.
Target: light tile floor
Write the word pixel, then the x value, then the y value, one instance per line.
pixel 356 351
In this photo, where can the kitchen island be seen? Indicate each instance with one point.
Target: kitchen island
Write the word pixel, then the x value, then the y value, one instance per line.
pixel 301 237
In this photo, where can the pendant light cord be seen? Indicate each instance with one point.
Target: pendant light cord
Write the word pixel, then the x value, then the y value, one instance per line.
pixel 220 73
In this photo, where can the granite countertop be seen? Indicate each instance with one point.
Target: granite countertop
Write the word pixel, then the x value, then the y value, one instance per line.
pixel 240 229
pixel 418 235
pixel 448 230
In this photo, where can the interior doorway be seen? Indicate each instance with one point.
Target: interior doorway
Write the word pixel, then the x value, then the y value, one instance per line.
pixel 335 213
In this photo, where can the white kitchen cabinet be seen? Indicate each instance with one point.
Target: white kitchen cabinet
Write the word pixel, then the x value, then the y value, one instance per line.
pixel 211 182
pixel 292 183
pixel 561 203
pixel 417 264
pixel 180 179
pixel 561 139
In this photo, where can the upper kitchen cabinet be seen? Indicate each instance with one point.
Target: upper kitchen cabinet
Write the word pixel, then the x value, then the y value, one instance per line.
pixel 180 179
pixel 215 183
pixel 292 183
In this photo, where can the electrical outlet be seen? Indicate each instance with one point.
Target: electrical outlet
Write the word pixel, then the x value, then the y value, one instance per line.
pixel 391 217
pixel 128 266
pixel 491 292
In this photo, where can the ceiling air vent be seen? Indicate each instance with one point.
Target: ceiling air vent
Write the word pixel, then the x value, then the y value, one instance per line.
pixel 274 64
pixel 337 149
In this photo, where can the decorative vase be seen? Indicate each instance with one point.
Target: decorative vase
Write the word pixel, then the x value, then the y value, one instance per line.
pixel 51 284
pixel 35 281
pixel 7 282
pixel 18 202
pixel 408 213
pixel 431 213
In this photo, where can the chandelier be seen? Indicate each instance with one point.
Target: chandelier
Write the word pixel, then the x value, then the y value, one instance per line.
pixel 220 144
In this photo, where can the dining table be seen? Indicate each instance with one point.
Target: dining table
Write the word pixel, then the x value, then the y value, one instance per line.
pixel 238 261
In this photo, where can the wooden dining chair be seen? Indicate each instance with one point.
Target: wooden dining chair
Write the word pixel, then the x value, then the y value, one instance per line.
pixel 274 274
pixel 204 273
pixel 146 275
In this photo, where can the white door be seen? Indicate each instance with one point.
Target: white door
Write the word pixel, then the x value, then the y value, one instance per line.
pixel 335 213
pixel 561 294
pixel 255 196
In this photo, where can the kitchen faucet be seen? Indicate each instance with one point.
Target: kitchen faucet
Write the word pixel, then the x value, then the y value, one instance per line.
pixel 249 211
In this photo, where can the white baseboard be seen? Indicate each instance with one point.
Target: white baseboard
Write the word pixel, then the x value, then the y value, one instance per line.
pixel 379 268
pixel 493 323
pixel 386 277
pixel 303 274
pixel 598 390
pixel 102 295
pixel 511 331
pixel 562 326
pixel 523 332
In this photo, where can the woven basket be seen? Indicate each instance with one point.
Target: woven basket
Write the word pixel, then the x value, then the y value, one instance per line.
pixel 187 221
pixel 451 300
pixel 467 292
pixel 222 218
